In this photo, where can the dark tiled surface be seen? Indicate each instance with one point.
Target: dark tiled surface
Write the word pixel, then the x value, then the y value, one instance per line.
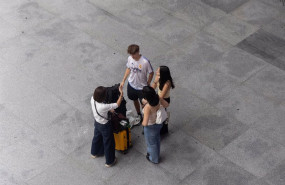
pixel 225 5
pixel 266 46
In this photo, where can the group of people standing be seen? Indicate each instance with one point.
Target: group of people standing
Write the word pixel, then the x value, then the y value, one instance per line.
pixel 139 73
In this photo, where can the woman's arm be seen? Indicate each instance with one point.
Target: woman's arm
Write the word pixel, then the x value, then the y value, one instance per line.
pixel 166 88
pixel 119 101
pixel 156 79
pixel 163 102
pixel 146 115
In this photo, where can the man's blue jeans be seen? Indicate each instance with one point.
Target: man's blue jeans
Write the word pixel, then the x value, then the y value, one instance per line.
pixel 152 138
pixel 103 142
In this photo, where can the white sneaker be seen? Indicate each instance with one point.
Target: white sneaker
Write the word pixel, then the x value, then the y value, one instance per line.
pixel 138 120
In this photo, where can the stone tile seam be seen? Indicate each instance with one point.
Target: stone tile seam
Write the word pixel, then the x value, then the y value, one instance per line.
pixel 45 168
pixel 119 20
pixel 263 136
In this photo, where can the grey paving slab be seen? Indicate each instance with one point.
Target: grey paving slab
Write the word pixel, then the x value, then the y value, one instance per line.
pixel 208 83
pixel 8 31
pixel 53 67
pixel 13 82
pixel 270 82
pixel 69 130
pixel 28 159
pixel 274 129
pixel 181 154
pixel 266 46
pixel 10 6
pixel 66 171
pixel 256 12
pixel 27 16
pixel 13 129
pixel 55 32
pixel 172 30
pixel 204 48
pixel 225 5
pixel 238 64
pixel 38 109
pixel 115 7
pixel 276 176
pixel 256 111
pixel 178 61
pixel 172 5
pixel 8 178
pixel 85 106
pixel 56 7
pixel 255 153
pixel 141 15
pixel 198 14
pixel 114 32
pixel 97 167
pixel 276 27
pixel 19 50
pixel 214 129
pixel 219 171
pixel 5 68
pixel 188 110
pixel 149 174
pixel 259 182
pixel 231 29
pixel 274 3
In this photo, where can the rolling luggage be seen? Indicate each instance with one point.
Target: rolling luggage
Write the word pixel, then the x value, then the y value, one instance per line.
pixel 123 140
pixel 121 130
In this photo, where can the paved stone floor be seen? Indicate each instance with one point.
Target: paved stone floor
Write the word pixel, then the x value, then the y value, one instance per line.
pixel 227 112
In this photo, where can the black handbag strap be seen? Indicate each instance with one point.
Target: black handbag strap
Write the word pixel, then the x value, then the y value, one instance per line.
pixel 100 114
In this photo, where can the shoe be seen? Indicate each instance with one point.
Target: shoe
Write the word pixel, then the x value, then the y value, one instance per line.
pixel 96 156
pixel 110 165
pixel 138 120
pixel 147 157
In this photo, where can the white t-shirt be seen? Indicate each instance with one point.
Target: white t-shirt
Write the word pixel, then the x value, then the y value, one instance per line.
pixel 139 71
pixel 102 110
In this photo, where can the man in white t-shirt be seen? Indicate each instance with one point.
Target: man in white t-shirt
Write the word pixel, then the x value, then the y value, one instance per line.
pixel 140 74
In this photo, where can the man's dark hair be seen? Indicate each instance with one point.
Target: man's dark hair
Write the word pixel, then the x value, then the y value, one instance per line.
pixel 133 49
pixel 99 94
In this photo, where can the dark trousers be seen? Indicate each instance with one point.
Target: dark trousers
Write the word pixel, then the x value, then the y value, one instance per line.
pixel 103 142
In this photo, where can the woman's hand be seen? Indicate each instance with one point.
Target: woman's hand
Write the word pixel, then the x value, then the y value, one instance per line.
pixel 157 75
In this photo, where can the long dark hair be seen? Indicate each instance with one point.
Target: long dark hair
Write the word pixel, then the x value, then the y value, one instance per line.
pixel 150 95
pixel 164 77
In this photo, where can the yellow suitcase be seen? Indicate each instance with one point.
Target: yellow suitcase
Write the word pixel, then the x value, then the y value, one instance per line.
pixel 123 140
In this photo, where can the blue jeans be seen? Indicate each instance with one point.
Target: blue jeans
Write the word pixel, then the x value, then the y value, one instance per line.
pixel 152 138
pixel 103 142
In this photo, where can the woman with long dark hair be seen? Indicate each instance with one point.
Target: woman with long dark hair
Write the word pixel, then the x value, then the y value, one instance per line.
pixel 164 82
pixel 151 124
